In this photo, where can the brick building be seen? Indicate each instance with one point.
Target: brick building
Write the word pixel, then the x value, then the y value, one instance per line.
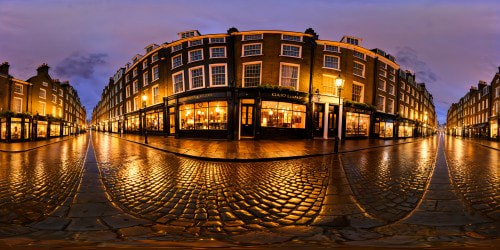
pixel 38 108
pixel 476 114
pixel 264 84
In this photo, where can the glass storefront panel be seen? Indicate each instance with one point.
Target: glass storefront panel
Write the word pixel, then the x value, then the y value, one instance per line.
pixel 55 129
pixel 15 128
pixel 132 123
pixel 203 116
pixel 218 115
pixel 405 130
pixel 154 121
pixel 41 129
pixel 283 115
pixel 357 124
pixel 386 129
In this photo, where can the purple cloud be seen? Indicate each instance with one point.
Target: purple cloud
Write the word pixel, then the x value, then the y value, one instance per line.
pixel 78 65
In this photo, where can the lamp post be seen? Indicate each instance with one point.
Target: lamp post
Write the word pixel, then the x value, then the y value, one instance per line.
pixel 144 99
pixel 339 83
pixel 425 124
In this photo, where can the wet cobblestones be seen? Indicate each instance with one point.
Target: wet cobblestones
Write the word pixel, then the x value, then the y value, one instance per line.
pixel 389 182
pixel 210 197
pixel 476 178
pixel 34 183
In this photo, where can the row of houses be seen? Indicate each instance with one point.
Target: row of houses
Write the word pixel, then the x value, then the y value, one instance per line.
pixel 477 114
pixel 38 108
pixel 265 84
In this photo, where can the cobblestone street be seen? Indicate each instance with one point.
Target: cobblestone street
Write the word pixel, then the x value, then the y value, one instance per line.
pixel 127 194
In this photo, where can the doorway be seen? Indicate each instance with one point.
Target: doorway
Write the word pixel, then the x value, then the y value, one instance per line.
pixel 247 118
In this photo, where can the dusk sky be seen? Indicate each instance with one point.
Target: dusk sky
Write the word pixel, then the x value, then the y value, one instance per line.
pixel 450 45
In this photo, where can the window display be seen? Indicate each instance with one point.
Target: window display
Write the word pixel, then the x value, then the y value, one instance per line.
pixel 357 124
pixel 283 115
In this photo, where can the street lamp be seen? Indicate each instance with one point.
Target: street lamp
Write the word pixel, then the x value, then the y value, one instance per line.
pixel 425 123
pixel 339 83
pixel 144 99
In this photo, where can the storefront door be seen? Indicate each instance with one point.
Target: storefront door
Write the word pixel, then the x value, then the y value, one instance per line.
pixel 247 119
pixel 319 113
pixel 332 121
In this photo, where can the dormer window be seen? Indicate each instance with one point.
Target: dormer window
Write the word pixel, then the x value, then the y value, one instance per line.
pixel 188 34
pixel 217 40
pixel 177 47
pixel 352 41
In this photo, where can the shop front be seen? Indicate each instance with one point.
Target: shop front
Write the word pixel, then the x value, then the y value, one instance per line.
pixel 357 123
pixel 383 126
pixel 199 115
pixel 15 127
pixel 271 114
pixel 325 116
pixel 406 129
pixel 154 119
pixel 494 129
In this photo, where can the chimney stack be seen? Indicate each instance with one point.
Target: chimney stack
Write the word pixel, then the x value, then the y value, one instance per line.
pixel 43 69
pixel 4 68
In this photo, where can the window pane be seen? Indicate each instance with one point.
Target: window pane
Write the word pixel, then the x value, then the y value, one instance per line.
pixel 251 76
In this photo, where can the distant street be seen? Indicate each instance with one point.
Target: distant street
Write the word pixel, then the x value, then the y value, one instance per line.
pixel 128 192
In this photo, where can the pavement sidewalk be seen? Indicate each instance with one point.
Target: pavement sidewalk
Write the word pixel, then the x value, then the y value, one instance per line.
pixel 17 147
pixel 252 150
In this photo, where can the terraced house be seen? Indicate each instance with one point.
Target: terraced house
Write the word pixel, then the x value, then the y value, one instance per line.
pixel 264 84
pixel 38 108
pixel 477 114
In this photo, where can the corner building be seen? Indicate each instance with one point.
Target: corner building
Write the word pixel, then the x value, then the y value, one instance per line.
pixel 260 84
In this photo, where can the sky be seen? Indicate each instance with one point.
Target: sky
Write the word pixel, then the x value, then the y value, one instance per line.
pixel 449 44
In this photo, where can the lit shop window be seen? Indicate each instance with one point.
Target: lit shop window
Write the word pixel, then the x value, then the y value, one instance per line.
pixel 203 116
pixel 283 115
pixel 357 124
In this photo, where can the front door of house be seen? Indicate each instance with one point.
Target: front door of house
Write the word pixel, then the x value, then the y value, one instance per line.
pixel 247 119
pixel 319 113
pixel 332 121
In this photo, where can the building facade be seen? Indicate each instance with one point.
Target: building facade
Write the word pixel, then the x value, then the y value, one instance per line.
pixel 38 108
pixel 264 84
pixel 477 112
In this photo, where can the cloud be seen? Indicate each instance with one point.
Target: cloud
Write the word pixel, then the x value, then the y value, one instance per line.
pixel 408 59
pixel 78 65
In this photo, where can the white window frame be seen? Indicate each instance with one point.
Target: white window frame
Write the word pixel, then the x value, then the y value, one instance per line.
pixel 54 98
pixel 336 50
pixel 251 37
pixel 145 78
pixel 324 62
pixel 173 62
pixel 190 43
pixel 20 100
pixel 173 81
pixel 362 55
pixel 225 74
pixel 392 106
pixel 298 73
pixel 154 57
pixel 260 72
pixel 44 96
pixel 21 88
pixel 291 45
pixel 127 91
pixel 250 44
pixel 192 51
pixel 191 77
pixel 134 89
pixel 134 72
pixel 212 41
pixel 285 37
pixel 384 86
pixel 177 47
pixel 153 94
pixel 383 103
pixel 61 92
pixel 362 94
pixel 145 64
pixel 155 77
pixel 364 68
pixel 44 107
pixel 212 54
